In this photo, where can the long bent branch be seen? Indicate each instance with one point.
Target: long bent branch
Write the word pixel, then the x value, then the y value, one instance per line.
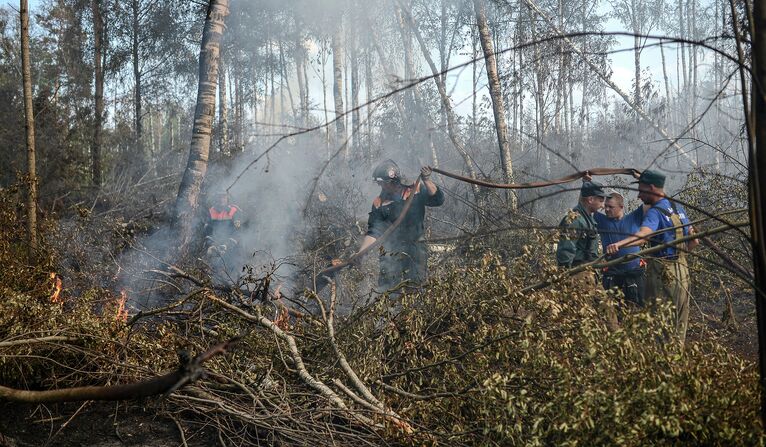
pixel 185 374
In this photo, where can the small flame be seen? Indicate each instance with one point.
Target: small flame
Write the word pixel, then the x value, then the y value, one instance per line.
pixel 122 312
pixel 56 296
pixel 283 317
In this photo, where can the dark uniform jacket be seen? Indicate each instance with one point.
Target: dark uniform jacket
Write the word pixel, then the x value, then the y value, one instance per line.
pixel 383 215
pixel 404 256
pixel 578 243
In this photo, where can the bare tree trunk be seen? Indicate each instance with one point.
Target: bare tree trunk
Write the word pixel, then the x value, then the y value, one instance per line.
pixel 474 83
pixel 223 112
pixel 337 69
pixel 498 105
pixel 284 82
pixel 540 125
pixel 238 113
pixel 98 107
pixel 152 148
pixel 29 126
pixel 757 165
pixel 324 96
pixel 757 173
pixel 584 99
pixel 355 118
pixel 139 131
pixel 300 60
pixel 273 98
pixel 682 47
pixel 172 141
pixel 637 63
pixel 254 105
pixel 199 150
pixel 368 83
pixel 668 98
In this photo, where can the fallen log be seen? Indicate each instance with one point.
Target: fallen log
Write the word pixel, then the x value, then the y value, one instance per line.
pixel 187 372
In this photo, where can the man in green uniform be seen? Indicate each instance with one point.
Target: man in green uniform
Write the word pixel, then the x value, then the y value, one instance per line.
pixel 667 272
pixel 578 243
pixel 403 258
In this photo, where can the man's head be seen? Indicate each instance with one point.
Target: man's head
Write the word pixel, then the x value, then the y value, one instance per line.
pixel 592 196
pixel 614 207
pixel 651 187
pixel 388 175
pixel 221 198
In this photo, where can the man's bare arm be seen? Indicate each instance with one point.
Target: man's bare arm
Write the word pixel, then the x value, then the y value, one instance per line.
pixel 631 241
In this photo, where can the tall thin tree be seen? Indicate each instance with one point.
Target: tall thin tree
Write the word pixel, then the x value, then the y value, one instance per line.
pixel 337 85
pixel 496 94
pixel 98 75
pixel 29 125
pixel 756 124
pixel 199 150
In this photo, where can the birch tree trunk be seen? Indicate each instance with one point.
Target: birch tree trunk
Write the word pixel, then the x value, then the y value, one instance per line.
pixel 199 150
pixel 29 127
pixel 337 85
pixel 355 117
pixel 98 106
pixel 668 98
pixel 496 94
pixel 368 84
pixel 300 67
pixel 223 112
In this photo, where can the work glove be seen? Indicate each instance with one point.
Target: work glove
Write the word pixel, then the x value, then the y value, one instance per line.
pixel 425 173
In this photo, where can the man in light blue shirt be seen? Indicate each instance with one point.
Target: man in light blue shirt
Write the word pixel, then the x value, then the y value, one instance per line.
pixel 667 271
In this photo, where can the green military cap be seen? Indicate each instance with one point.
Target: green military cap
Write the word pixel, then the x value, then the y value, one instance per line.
pixel 590 189
pixel 650 177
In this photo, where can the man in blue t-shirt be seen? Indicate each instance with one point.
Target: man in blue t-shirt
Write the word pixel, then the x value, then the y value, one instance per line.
pixel 614 226
pixel 667 273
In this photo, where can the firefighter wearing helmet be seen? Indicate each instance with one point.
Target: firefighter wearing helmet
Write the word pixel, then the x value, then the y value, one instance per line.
pixel 403 257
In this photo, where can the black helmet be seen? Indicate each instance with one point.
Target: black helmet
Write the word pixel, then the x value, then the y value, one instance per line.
pixel 387 171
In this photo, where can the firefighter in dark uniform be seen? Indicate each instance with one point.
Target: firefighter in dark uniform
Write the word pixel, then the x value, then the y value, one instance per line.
pixel 578 243
pixel 223 223
pixel 403 257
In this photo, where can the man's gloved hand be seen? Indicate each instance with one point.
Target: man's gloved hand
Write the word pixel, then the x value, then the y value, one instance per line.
pixel 425 172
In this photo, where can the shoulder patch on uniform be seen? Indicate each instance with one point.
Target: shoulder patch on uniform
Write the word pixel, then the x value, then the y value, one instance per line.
pixel 571 216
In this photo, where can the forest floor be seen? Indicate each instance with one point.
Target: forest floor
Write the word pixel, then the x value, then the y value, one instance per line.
pixel 97 424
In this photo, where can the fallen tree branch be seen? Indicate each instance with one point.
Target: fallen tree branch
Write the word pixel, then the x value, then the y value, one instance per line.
pixel 159 310
pixel 295 355
pixel 31 341
pixel 165 384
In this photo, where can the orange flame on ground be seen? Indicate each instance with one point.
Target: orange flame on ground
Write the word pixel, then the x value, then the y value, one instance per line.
pixel 122 312
pixel 56 296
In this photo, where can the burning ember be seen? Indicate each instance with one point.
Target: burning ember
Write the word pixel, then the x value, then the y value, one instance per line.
pixel 56 296
pixel 122 312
